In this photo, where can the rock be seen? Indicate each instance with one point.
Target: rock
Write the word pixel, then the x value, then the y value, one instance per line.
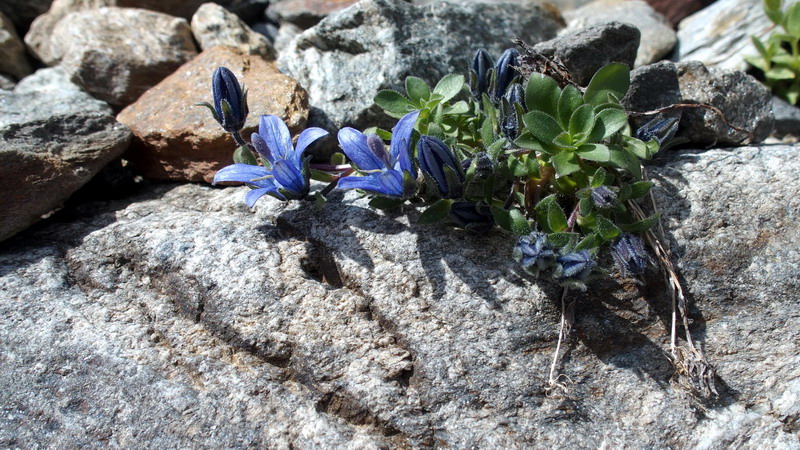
pixel 120 52
pixel 657 36
pixel 677 10
pixel 349 56
pixel 13 60
pixel 719 35
pixel 22 12
pixel 251 11
pixel 285 35
pixel 304 13
pixel 745 102
pixel 214 25
pixel 176 140
pixel 53 139
pixel 584 51
pixel 179 319
pixel 6 83
pixel 787 118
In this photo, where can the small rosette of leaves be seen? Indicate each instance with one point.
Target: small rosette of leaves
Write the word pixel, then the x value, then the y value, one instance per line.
pixel 778 57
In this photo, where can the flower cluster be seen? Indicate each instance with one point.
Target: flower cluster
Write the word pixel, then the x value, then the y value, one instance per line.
pixel 555 166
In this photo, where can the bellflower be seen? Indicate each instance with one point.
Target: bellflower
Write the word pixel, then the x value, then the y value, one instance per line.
pixel 230 102
pixel 629 254
pixel 439 164
pixel 574 268
pixel 660 129
pixel 603 197
pixel 387 174
pixel 505 72
pixel 534 253
pixel 479 74
pixel 475 217
pixel 287 177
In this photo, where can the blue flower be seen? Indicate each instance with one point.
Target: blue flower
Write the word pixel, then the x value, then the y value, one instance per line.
pixel 534 253
pixel 285 174
pixel 505 72
pixel 629 254
pixel 660 129
pixel 440 166
pixel 574 268
pixel 386 174
pixel 480 74
pixel 603 197
pixel 230 102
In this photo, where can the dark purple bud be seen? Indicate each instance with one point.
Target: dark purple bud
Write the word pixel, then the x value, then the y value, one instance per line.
pixel 479 73
pixel 660 129
pixel 439 164
pixel 230 103
pixel 534 253
pixel 483 165
pixel 516 95
pixel 475 217
pixel 629 254
pixel 505 72
pixel 510 119
pixel 603 197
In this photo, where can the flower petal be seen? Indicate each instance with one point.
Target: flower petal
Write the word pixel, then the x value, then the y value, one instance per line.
pixel 354 145
pixel 276 135
pixel 306 138
pixel 243 173
pixel 388 183
pixel 290 177
pixel 401 142
pixel 254 194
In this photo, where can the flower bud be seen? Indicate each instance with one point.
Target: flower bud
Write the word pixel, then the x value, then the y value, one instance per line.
pixel 512 103
pixel 574 268
pixel 534 253
pixel 505 72
pixel 660 129
pixel 479 74
pixel 476 217
pixel 230 103
pixel 439 164
pixel 629 254
pixel 603 197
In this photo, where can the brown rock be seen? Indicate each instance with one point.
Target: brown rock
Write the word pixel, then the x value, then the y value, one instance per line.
pixel 176 140
pixel 13 60
pixel 676 10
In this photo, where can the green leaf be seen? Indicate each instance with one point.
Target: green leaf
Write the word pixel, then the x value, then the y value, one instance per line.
pixel 519 224
pixel 243 155
pixel 565 163
pixel 581 123
pixel 517 167
pixel 594 152
pixel 385 203
pixel 611 81
pixel 526 140
pixel 532 164
pixel 791 20
pixel 460 107
pixel 319 201
pixel 607 122
pixel 606 228
pixel 542 126
pixel 599 178
pixel 418 90
pixel 542 94
pixel 625 160
pixel 550 215
pixel 591 241
pixel 641 225
pixel 568 102
pixel 774 15
pixel 322 176
pixel 780 73
pixel 585 206
pixel 449 86
pixel 436 212
pixel 502 218
pixel 565 241
pixel 487 131
pixel 393 103
pixel 640 188
pixel 636 147
pixel 564 140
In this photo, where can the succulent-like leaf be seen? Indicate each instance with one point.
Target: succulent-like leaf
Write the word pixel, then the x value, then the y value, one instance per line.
pixel 542 126
pixel 569 100
pixel 581 123
pixel 607 122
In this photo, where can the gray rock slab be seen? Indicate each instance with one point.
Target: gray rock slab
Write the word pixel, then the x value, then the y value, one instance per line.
pixel 657 36
pixel 744 102
pixel 787 118
pixel 719 35
pixel 53 139
pixel 13 59
pixel 583 51
pixel 119 53
pixel 349 56
pixel 214 25
pixel 7 83
pixel 179 318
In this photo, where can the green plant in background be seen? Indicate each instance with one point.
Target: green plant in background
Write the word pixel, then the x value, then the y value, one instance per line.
pixel 779 57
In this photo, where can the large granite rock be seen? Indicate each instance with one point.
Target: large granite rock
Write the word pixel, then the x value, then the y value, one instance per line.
pixel 657 36
pixel 13 60
pixel 214 25
pixel 177 140
pixel 180 319
pixel 583 51
pixel 677 10
pixel 744 102
pixel 53 139
pixel 119 53
pixel 719 35
pixel 345 59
